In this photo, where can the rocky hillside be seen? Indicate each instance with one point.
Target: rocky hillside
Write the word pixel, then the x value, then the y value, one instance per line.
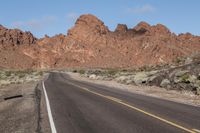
pixel 141 45
pixel 12 43
pixel 183 75
pixel 91 44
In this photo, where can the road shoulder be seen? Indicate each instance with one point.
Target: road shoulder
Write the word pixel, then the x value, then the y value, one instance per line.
pixel 19 108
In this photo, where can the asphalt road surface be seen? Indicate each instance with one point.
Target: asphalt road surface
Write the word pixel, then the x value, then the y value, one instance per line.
pixel 81 107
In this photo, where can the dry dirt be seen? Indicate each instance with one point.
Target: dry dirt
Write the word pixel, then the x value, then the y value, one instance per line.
pixel 19 115
pixel 184 97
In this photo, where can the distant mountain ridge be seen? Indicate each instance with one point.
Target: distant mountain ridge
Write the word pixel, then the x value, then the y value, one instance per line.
pixel 91 44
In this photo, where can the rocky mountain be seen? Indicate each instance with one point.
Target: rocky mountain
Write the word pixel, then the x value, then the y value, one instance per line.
pixel 91 44
pixel 12 41
pixel 15 37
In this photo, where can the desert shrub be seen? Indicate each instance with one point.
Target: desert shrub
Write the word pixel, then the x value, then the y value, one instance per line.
pixel 74 71
pixel 178 60
pixel 145 68
pixel 40 73
pixel 81 71
pixel 198 77
pixel 8 73
pixel 21 75
pixel 28 71
pixel 112 72
pixel 124 70
pixel 185 78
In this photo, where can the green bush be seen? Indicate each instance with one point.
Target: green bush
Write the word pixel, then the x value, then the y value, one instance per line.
pixel 74 71
pixel 178 60
pixel 81 71
pixel 185 78
pixel 21 75
pixel 112 72
pixel 28 71
pixel 145 68
pixel 8 73
pixel 40 73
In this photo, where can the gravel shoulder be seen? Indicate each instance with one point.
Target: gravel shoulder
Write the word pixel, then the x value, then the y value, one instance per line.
pixel 19 115
pixel 172 95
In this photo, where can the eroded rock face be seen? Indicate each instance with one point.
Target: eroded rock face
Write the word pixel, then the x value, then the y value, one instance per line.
pixel 91 44
pixel 142 25
pixel 142 45
pixel 86 27
pixel 121 28
pixel 15 37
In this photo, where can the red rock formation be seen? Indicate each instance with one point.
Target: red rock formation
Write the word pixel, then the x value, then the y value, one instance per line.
pixel 121 28
pixel 15 37
pixel 87 28
pixel 142 25
pixel 91 44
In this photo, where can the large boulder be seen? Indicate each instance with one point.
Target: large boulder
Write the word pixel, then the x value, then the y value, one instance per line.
pixel 165 83
pixel 140 78
pixel 93 76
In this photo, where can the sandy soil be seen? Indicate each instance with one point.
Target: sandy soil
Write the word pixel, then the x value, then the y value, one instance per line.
pixel 18 115
pixel 172 95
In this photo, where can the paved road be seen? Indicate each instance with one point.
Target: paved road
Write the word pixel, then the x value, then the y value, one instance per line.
pixel 81 107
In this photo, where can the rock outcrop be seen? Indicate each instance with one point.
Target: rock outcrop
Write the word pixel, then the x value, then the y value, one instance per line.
pixel 15 37
pixel 121 28
pixel 91 44
pixel 86 27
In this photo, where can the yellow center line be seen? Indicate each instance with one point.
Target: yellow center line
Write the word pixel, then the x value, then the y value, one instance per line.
pixel 113 98
pixel 137 109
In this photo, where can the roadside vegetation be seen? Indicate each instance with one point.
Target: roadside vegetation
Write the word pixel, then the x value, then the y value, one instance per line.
pixel 19 76
pixel 182 75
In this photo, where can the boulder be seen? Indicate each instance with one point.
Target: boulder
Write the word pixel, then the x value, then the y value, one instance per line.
pixel 188 60
pixel 165 83
pixel 121 78
pixel 129 81
pixel 93 76
pixel 152 78
pixel 185 78
pixel 180 73
pixel 198 90
pixel 140 78
pixel 198 77
pixel 197 86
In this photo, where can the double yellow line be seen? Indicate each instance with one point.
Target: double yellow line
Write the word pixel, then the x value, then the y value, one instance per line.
pixel 137 109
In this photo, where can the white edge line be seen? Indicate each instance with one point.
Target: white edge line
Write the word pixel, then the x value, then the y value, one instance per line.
pixel 52 125
pixel 196 130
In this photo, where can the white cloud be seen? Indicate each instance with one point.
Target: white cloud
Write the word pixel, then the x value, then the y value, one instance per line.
pixel 141 9
pixel 35 24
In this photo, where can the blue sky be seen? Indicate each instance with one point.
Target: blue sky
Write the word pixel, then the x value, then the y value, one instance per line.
pixel 57 16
